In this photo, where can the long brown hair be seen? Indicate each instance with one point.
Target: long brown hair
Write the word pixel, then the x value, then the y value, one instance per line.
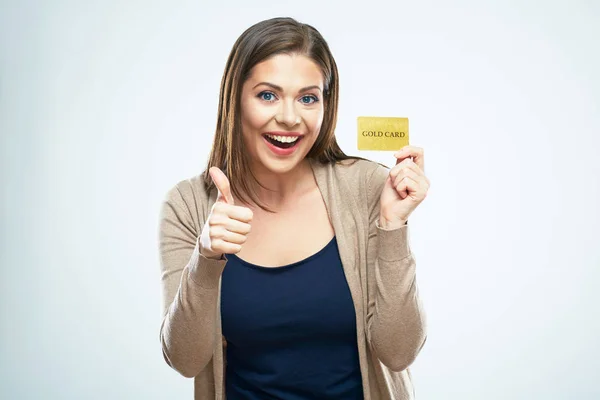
pixel 259 42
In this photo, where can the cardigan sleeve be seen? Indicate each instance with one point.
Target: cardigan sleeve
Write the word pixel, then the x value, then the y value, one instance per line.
pixel 189 283
pixel 396 323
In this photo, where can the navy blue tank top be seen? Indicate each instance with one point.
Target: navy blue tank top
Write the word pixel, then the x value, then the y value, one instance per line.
pixel 290 330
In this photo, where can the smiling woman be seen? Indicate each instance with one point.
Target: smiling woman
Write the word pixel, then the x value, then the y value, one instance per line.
pixel 287 272
pixel 280 82
pixel 293 103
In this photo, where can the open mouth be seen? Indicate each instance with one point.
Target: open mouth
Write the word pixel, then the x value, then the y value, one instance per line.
pixel 283 145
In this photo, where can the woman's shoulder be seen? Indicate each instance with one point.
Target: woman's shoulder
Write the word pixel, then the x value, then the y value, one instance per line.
pixel 365 179
pixel 361 169
pixel 189 192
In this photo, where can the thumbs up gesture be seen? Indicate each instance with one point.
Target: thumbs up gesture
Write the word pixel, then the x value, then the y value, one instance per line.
pixel 227 225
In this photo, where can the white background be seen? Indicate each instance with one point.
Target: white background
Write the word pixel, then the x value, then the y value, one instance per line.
pixel 105 105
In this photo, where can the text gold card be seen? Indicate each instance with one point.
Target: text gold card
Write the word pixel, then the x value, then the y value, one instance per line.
pixel 382 133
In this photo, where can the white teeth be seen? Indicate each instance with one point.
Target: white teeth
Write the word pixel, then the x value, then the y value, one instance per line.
pixel 284 139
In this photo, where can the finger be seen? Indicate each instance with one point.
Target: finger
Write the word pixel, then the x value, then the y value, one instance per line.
pixel 222 184
pixel 406 173
pixel 405 164
pixel 219 232
pixel 237 226
pixel 225 247
pixel 406 186
pixel 417 154
pixel 221 218
pixel 418 189
pixel 239 213
pixel 401 189
pixel 236 238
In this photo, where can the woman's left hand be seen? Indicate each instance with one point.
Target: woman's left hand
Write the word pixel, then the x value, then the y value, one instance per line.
pixel 404 189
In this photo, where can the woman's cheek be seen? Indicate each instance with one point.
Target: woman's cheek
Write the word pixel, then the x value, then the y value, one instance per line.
pixel 314 119
pixel 260 115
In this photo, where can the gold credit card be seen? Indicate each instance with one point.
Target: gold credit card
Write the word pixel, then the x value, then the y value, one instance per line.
pixel 382 133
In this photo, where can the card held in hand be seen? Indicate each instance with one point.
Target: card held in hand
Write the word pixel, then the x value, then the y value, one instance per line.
pixel 382 133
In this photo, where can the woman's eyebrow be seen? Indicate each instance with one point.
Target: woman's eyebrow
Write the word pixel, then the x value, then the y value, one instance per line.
pixel 279 88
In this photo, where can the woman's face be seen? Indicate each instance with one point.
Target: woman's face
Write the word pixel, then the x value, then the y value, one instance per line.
pixel 282 97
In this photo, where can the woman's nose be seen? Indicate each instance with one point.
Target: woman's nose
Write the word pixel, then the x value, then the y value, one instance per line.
pixel 288 115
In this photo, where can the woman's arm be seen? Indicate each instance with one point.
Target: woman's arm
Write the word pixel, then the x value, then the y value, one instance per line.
pixel 396 323
pixel 189 287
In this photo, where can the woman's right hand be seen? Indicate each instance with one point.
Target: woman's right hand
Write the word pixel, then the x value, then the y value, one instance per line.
pixel 227 225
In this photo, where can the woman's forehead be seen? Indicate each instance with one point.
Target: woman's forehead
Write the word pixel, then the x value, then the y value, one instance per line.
pixel 287 71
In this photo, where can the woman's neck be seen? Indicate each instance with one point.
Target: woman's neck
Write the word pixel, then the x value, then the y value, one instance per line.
pixel 284 187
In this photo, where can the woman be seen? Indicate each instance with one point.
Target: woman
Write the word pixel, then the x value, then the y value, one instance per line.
pixel 286 267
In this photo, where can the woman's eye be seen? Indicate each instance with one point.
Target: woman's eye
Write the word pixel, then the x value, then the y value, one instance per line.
pixel 266 96
pixel 309 99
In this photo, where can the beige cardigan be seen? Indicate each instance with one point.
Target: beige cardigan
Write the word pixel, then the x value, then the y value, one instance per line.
pixel 378 264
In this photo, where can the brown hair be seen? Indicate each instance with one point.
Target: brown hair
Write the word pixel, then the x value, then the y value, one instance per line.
pixel 259 42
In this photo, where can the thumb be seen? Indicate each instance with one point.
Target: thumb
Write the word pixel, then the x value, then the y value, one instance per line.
pixel 222 184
